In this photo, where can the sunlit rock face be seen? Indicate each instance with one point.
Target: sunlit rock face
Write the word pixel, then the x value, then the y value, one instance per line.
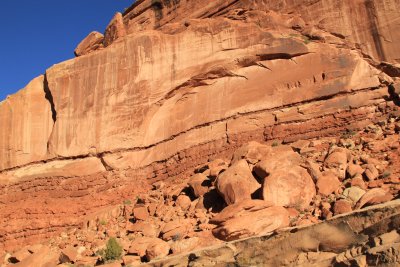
pixel 175 83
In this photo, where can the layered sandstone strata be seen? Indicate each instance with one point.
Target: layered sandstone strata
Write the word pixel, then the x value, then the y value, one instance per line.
pixel 181 82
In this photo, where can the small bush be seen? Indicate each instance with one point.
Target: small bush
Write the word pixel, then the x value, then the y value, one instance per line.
pixel 127 202
pixel 275 143
pixel 113 250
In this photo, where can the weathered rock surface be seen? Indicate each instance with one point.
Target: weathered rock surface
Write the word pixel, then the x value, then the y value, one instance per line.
pixel 180 83
pixel 92 42
pixel 289 187
pixel 249 218
pixel 237 183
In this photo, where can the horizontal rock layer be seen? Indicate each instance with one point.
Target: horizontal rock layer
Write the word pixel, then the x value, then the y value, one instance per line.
pixel 178 90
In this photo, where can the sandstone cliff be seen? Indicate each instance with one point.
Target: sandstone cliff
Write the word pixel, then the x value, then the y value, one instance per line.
pixel 173 84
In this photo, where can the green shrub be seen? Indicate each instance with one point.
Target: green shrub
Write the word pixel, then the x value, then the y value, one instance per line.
pixel 127 202
pixel 113 250
pixel 275 143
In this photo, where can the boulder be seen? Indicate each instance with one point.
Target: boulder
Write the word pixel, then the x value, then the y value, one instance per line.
pixel 371 172
pixel 157 250
pixel 374 196
pixel 69 254
pixel 19 255
pixel 139 245
pixel 337 161
pixel 146 228
pixel 237 183
pixel 184 245
pixel 141 213
pixel 249 218
pixel 279 157
pixel 289 187
pixel 354 170
pixel 328 183
pixel 341 206
pixel 115 29
pixel 252 152
pixel 216 166
pixel 175 230
pixel 183 202
pixel 353 193
pixel 92 42
pixel 199 184
pixel 313 169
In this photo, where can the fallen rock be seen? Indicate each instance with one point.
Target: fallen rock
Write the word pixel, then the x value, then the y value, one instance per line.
pixel 249 218
pixel 252 152
pixel 140 244
pixel 199 184
pixel 353 193
pixel 19 256
pixel 42 258
pixel 342 206
pixel 371 172
pixel 289 187
pixel 131 260
pixel 280 157
pixel 328 183
pixel 68 255
pixel 313 169
pixel 141 213
pixel 184 245
pixel 145 227
pixel 237 183
pixel 92 42
pixel 183 202
pixel 216 166
pixel 354 169
pixel 175 230
pixel 337 160
pixel 157 250
pixel 374 196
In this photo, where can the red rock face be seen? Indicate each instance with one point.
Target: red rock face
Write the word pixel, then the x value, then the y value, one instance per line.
pixel 181 82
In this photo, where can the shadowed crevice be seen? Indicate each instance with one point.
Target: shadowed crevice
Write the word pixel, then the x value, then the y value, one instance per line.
pixel 49 97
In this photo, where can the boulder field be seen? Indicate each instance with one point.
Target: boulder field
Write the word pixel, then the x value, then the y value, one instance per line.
pixel 326 201
pixel 190 123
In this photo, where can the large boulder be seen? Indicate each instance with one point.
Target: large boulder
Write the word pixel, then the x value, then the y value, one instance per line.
pixel 328 183
pixel 279 157
pixel 289 187
pixel 237 183
pixel 199 184
pixel 337 161
pixel 253 152
pixel 374 196
pixel 157 250
pixel 92 42
pixel 249 218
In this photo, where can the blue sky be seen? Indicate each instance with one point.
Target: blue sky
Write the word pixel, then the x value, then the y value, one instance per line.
pixel 35 34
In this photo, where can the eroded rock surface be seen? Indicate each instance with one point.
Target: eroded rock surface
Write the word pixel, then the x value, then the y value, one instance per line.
pixel 182 83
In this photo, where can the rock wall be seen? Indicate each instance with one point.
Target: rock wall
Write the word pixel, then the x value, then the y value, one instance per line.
pixel 177 83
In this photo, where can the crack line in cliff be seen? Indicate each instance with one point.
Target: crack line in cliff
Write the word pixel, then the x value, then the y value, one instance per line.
pixel 222 120
pixel 49 97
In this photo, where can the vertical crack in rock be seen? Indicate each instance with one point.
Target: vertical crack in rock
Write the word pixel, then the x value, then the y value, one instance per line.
pixel 227 134
pixel 49 97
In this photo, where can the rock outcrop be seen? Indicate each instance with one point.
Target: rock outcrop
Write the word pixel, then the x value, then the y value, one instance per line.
pixel 174 84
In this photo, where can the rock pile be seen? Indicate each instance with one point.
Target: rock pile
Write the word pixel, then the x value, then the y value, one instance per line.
pixel 262 188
